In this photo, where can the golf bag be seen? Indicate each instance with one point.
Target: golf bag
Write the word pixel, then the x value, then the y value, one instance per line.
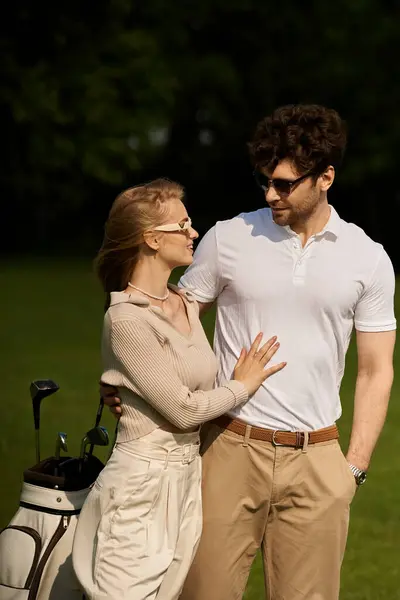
pixel 35 548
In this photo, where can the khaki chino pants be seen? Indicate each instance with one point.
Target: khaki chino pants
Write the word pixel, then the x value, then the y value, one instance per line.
pixel 141 523
pixel 292 503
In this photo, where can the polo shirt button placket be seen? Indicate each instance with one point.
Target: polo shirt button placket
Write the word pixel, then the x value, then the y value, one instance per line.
pixel 299 271
pixel 299 276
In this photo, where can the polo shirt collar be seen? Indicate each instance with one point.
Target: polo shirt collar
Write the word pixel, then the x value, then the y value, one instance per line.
pixel 332 226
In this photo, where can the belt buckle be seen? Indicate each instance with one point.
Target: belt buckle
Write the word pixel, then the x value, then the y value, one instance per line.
pixel 274 442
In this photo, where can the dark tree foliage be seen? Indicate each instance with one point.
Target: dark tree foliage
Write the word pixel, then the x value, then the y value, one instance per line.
pixel 99 96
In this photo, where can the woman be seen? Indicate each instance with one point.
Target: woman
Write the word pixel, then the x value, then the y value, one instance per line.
pixel 141 523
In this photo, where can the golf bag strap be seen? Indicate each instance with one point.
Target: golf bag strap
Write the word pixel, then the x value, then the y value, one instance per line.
pixel 47 500
pixel 49 511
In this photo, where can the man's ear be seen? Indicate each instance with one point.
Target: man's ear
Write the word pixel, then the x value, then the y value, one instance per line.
pixel 327 178
pixel 152 240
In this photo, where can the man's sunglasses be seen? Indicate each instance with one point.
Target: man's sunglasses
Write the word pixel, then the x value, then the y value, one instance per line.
pixel 281 186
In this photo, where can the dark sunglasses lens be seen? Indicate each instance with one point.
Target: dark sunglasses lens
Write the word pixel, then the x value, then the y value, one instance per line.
pixel 282 186
pixel 261 180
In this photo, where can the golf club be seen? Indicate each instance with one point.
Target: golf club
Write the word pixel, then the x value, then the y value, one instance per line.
pixel 97 421
pixel 39 389
pixel 61 444
pixel 98 436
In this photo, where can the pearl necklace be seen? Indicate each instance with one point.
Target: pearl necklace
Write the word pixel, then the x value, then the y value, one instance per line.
pixel 161 298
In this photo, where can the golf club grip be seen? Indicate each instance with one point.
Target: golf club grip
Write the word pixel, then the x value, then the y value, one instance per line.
pixel 98 419
pixel 99 411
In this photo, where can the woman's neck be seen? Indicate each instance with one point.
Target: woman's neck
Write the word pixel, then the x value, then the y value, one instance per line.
pixel 150 277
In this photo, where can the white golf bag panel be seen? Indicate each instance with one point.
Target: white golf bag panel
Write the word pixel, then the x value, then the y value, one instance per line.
pixel 35 548
pixel 25 543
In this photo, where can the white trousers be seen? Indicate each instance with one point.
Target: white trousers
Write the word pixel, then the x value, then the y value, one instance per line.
pixel 140 526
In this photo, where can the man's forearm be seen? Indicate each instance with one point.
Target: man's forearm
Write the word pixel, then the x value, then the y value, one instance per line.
pixel 370 408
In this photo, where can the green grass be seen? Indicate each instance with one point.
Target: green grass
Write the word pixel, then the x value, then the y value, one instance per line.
pixel 50 328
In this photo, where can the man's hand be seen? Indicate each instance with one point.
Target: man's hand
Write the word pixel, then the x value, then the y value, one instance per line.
pixel 110 398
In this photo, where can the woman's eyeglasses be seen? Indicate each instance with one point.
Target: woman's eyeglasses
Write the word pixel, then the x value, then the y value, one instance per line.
pixel 281 186
pixel 182 226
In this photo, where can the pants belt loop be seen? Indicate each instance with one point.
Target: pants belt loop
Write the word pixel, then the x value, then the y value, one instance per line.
pixel 305 443
pixel 247 436
pixel 166 460
pixel 193 452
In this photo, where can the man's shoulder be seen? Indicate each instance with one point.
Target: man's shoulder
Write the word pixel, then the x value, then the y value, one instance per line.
pixel 358 241
pixel 244 222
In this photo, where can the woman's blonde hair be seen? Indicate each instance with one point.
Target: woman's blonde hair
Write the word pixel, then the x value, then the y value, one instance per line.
pixel 134 211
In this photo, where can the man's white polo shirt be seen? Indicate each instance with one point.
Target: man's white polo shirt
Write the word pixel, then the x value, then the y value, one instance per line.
pixel 309 297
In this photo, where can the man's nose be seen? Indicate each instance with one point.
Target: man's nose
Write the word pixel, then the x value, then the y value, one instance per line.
pixel 271 195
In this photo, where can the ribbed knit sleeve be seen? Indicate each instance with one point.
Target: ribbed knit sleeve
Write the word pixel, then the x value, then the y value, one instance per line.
pixel 148 373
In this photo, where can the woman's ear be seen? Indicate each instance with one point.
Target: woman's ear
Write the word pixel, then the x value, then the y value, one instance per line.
pixel 152 240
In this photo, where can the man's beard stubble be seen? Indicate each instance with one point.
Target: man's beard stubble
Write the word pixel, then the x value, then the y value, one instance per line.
pixel 297 215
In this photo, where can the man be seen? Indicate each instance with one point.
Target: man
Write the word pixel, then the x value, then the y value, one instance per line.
pixel 297 270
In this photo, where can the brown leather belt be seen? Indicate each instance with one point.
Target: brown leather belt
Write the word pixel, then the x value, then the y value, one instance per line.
pixel 295 439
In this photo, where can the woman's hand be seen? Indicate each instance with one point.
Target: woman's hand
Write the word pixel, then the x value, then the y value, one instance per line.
pixel 250 368
pixel 110 398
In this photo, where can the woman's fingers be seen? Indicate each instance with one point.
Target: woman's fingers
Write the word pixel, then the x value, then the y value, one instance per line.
pixel 107 390
pixel 255 345
pixel 116 410
pixel 241 358
pixel 271 370
pixel 269 354
pixel 263 355
pixel 266 347
pixel 111 400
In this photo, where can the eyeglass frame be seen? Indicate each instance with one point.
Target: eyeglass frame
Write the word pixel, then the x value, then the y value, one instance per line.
pixel 288 182
pixel 171 227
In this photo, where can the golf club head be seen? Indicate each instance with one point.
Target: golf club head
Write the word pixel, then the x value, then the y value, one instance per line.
pixel 61 443
pixel 84 443
pixel 98 436
pixel 39 389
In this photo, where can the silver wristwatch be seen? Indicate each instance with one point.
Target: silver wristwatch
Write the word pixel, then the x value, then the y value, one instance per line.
pixel 359 475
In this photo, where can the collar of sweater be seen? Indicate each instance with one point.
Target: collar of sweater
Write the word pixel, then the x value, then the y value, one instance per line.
pixel 135 298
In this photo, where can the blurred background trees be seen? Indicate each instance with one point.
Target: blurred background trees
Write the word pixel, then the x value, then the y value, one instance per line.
pixel 100 96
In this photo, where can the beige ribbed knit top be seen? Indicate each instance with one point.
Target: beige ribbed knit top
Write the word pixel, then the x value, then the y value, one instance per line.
pixel 162 375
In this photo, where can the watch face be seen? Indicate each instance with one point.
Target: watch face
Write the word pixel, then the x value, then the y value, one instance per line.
pixel 361 478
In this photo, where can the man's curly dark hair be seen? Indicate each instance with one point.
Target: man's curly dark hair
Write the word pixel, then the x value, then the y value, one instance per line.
pixel 312 137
